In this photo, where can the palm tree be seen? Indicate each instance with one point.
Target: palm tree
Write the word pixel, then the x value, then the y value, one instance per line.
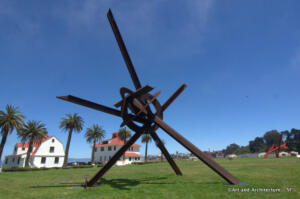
pixel 145 139
pixel 9 121
pixel 73 122
pixel 32 131
pixel 93 135
pixel 123 135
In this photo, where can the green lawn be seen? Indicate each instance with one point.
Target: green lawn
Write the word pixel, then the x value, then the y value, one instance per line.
pixel 158 181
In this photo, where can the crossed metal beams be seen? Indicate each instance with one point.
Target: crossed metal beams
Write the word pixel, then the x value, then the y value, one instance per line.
pixel 138 103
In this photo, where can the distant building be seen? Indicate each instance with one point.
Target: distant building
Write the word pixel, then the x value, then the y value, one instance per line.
pixel 105 150
pixel 48 153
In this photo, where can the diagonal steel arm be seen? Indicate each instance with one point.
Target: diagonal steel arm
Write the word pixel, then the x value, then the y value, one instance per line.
pixel 173 97
pixel 123 50
pixel 165 152
pixel 193 149
pixel 95 106
pixel 113 160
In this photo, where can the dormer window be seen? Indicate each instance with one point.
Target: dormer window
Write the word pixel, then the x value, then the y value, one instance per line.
pixel 53 140
pixel 105 142
pixel 16 148
pixel 51 149
pixel 23 148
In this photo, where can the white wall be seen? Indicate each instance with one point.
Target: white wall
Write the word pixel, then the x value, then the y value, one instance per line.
pixel 101 156
pixel 43 151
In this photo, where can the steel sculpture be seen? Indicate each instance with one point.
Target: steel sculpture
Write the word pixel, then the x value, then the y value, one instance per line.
pixel 138 116
pixel 277 149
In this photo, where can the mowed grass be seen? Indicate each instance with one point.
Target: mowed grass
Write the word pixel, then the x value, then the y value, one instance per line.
pixel 158 180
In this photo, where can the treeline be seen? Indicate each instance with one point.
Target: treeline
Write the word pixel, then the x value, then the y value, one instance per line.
pixel 261 144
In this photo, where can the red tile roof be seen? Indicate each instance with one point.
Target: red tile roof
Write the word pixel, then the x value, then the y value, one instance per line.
pixel 36 144
pixel 114 141
pixel 132 154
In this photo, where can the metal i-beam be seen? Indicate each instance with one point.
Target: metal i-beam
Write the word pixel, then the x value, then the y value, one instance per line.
pixel 98 107
pixel 166 153
pixel 123 50
pixel 113 160
pixel 193 149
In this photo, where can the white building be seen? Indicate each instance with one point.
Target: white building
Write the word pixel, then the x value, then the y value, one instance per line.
pixel 48 153
pixel 107 148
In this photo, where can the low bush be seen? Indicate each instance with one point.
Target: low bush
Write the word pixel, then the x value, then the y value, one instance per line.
pixel 43 168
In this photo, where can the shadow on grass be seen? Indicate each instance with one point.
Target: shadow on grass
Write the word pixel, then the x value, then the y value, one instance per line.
pixel 63 184
pixel 124 183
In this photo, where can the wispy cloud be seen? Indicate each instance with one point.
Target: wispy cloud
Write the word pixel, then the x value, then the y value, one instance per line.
pixel 133 15
pixel 295 61
pixel 18 20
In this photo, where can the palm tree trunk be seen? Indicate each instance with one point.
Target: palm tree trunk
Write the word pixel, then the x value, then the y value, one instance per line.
pixel 3 141
pixel 28 153
pixel 146 149
pixel 93 152
pixel 67 148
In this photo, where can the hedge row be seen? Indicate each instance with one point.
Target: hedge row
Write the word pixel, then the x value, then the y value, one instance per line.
pixel 44 168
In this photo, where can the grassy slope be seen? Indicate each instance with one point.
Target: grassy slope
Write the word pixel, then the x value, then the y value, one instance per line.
pixel 158 181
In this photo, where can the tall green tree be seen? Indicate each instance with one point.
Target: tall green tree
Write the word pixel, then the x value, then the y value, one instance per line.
pixel 271 137
pixel 72 122
pixel 232 148
pixel 9 120
pixel 295 134
pixel 146 138
pixel 257 145
pixel 124 134
pixel 94 135
pixel 32 131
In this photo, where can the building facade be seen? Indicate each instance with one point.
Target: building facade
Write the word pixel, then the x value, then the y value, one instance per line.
pixel 47 153
pixel 107 148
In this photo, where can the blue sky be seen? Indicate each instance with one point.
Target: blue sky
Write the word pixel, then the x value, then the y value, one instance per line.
pixel 239 59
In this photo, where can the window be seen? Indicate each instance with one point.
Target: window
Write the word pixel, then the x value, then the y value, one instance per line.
pixel 53 140
pixel 16 148
pixel 56 160
pixel 51 149
pixel 109 148
pixel 102 148
pixel 6 160
pixel 43 160
pixel 23 148
pixel 19 160
pixel 13 160
pixel 95 149
pixel 135 158
pixel 115 148
pixel 129 158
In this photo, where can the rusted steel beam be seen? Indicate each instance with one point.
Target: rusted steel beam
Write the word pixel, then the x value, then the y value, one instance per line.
pixel 173 97
pixel 113 160
pixel 123 50
pixel 139 92
pixel 193 149
pixel 166 153
pixel 95 106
